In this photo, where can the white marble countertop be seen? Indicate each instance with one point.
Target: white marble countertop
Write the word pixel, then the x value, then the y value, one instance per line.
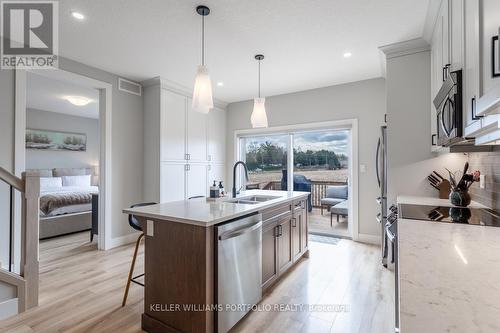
pixel 205 212
pixel 449 275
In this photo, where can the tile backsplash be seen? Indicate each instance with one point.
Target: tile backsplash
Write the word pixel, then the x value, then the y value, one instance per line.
pixel 489 165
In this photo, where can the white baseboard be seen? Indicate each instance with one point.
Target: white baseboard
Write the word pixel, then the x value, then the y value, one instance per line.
pixel 123 240
pixel 8 308
pixel 370 239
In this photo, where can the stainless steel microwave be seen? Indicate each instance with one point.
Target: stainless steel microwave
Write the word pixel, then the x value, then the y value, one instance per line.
pixel 448 103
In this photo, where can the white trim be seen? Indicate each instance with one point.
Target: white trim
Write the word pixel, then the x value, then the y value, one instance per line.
pixel 123 240
pixel 178 89
pixel 404 48
pixel 430 19
pixel 105 162
pixel 9 308
pixel 368 239
pixel 348 124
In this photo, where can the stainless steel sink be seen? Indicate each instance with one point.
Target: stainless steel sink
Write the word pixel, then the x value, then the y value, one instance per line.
pixel 253 199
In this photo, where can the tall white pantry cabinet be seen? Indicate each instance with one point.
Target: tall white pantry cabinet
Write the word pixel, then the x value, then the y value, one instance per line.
pixel 184 151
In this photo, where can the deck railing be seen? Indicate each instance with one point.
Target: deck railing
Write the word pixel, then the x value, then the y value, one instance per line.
pixel 318 189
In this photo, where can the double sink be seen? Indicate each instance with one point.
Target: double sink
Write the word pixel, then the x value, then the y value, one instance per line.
pixel 252 199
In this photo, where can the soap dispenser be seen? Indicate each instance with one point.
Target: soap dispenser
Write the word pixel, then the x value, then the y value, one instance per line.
pixel 214 191
pixel 221 189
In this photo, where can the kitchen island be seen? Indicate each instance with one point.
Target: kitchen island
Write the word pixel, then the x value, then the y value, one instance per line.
pixel 182 279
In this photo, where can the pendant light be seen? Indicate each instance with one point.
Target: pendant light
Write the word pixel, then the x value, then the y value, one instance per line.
pixel 202 92
pixel 259 117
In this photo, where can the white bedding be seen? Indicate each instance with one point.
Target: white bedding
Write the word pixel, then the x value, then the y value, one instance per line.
pixel 70 209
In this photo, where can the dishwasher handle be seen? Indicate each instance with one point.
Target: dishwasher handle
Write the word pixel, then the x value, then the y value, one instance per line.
pixel 240 231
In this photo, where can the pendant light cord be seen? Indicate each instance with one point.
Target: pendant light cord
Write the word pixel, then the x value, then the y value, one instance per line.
pixel 259 78
pixel 203 40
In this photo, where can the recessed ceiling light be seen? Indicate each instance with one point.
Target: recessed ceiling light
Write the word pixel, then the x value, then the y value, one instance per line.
pixel 220 84
pixel 78 100
pixel 347 55
pixel 77 15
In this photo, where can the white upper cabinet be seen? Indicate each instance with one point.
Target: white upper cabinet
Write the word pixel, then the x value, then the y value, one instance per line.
pixel 196 134
pixel 180 145
pixel 462 38
pixel 216 135
pixel 456 33
pixel 471 64
pixel 482 92
pixel 173 126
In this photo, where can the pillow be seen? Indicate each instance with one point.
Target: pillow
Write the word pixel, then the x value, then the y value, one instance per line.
pixel 80 181
pixel 50 182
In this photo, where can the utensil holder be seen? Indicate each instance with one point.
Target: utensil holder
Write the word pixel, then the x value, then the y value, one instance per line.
pixel 460 198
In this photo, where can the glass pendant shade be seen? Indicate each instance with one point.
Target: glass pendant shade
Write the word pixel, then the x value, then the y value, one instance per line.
pixel 202 93
pixel 259 117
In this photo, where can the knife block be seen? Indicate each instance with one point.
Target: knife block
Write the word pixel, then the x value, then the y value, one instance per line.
pixel 444 189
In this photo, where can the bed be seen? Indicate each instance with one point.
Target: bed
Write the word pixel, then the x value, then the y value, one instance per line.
pixel 66 201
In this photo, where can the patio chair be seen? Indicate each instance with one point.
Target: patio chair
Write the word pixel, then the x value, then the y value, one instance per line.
pixel 335 194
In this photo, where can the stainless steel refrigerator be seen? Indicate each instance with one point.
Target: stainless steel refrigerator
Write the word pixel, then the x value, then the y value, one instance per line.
pixel 381 170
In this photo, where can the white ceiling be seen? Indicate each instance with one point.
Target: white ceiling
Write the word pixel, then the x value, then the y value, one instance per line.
pixel 49 95
pixel 303 40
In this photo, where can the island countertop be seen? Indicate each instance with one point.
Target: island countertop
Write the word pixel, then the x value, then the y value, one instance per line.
pixel 206 212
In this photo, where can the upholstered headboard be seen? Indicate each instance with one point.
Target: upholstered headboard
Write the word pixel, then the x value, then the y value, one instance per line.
pixel 59 172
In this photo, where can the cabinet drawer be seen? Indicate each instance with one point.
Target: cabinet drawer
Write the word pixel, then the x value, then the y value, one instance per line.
pixel 274 212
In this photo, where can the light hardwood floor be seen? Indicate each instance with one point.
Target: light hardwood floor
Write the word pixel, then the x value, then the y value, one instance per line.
pixel 81 290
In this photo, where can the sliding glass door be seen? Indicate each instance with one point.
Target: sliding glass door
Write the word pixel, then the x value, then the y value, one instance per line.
pixel 266 158
pixel 314 161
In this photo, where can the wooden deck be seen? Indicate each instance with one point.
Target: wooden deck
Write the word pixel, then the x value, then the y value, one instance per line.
pixel 81 291
pixel 321 223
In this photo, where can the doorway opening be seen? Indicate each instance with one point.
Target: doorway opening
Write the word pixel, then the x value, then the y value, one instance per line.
pixel 315 158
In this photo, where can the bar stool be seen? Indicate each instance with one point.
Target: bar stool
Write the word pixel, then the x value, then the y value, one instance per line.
pixel 134 223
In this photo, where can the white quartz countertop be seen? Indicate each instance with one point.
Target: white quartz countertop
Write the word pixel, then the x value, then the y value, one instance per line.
pixel 205 212
pixel 449 275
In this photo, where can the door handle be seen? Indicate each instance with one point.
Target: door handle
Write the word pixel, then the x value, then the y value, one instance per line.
pixel 294 222
pixel 376 161
pixel 473 109
pixel 433 142
pixel 241 231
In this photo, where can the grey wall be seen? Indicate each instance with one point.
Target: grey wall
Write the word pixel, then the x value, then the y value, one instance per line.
pixel 364 100
pixel 46 159
pixel 126 136
pixel 410 160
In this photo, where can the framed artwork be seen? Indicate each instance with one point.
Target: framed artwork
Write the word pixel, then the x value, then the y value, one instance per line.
pixel 55 140
pixel 495 57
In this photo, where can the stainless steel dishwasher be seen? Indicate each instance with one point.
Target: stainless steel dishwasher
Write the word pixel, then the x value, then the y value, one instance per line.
pixel 239 269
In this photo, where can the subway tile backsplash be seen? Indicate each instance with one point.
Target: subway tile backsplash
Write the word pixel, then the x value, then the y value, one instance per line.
pixel 489 165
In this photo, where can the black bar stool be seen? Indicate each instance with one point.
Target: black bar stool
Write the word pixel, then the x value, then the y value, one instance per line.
pixel 134 223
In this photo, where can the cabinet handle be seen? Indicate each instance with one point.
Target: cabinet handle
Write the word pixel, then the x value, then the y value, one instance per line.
pixel 187 167
pixel 473 109
pixel 445 71
pixel 433 142
pixel 294 222
pixel 209 157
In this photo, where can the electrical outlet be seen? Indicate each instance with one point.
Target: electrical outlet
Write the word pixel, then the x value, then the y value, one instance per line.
pixel 150 228
pixel 481 181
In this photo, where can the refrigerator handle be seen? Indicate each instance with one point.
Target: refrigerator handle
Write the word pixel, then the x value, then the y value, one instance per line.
pixel 377 162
